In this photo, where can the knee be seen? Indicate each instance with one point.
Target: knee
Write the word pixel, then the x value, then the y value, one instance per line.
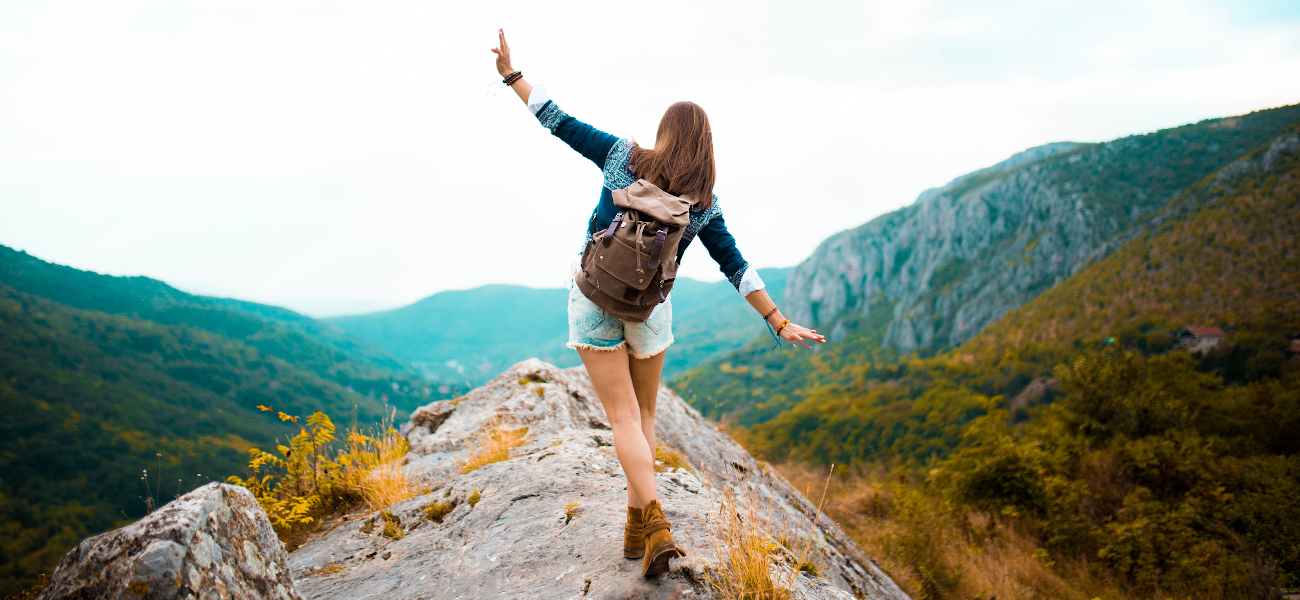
pixel 629 419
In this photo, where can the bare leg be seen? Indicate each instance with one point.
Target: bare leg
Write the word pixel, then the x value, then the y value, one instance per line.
pixel 612 379
pixel 645 381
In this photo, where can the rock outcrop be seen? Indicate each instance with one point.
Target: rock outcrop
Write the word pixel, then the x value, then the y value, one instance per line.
pixel 937 272
pixel 214 542
pixel 548 522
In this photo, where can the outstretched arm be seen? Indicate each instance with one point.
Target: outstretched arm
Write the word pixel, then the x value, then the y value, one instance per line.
pixel 790 332
pixel 521 87
pixel 722 247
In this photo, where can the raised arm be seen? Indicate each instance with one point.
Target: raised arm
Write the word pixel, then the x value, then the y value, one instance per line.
pixel 588 141
pixel 521 87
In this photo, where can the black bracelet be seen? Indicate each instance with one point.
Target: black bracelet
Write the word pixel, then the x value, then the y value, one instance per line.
pixel 512 78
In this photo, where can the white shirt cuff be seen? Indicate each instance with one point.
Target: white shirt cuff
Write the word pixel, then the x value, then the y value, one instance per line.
pixel 750 282
pixel 537 98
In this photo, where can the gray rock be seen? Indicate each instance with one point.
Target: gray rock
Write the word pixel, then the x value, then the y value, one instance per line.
pixel 214 542
pixel 549 523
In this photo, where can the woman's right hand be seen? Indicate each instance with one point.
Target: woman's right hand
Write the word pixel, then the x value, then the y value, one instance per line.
pixel 797 333
pixel 503 55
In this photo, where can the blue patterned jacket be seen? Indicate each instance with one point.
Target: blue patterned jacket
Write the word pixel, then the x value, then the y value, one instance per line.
pixel 610 153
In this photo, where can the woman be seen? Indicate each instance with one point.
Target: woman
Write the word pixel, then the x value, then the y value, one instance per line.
pixel 624 358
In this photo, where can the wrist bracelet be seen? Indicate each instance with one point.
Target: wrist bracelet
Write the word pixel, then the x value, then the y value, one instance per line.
pixel 783 324
pixel 769 313
pixel 512 78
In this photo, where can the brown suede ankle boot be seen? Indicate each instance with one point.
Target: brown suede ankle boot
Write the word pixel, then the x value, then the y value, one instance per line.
pixel 659 546
pixel 633 539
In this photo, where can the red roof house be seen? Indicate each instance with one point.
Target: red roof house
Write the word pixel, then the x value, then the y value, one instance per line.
pixel 1201 339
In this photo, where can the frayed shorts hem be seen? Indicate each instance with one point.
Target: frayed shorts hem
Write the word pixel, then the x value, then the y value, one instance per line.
pixel 644 355
pixel 581 346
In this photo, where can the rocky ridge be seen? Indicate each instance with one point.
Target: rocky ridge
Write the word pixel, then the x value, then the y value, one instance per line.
pixel 938 271
pixel 547 523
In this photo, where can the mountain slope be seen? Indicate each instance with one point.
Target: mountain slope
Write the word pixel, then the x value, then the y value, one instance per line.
pixel 987 242
pixel 470 335
pixel 1073 424
pixel 159 381
pixel 931 275
pixel 321 331
pixel 1232 264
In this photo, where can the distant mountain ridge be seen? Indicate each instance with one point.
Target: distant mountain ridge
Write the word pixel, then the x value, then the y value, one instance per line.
pixel 471 335
pixel 963 254
pixel 271 328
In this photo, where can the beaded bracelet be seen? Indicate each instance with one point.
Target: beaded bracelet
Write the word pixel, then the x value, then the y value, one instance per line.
pixel 769 329
pixel 512 78
pixel 783 324
pixel 769 313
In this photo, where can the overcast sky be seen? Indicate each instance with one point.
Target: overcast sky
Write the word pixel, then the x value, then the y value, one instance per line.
pixel 344 156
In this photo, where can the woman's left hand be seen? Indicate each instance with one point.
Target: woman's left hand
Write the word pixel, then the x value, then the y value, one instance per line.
pixel 797 333
pixel 503 54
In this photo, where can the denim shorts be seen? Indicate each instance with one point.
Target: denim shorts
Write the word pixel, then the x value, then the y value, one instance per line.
pixel 591 328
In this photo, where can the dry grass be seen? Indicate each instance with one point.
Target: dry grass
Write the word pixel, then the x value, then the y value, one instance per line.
pixel 668 458
pixel 383 483
pixel 392 526
pixel 744 540
pixel 495 443
pixel 439 510
pixel 571 511
pixel 474 497
pixel 934 551
pixel 742 544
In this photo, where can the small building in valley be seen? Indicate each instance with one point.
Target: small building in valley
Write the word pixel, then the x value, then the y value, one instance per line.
pixel 1201 339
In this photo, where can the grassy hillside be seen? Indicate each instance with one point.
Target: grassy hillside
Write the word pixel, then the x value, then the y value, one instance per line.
pixel 472 335
pixel 1073 436
pixel 320 331
pixel 158 380
pixel 971 251
pixel 308 344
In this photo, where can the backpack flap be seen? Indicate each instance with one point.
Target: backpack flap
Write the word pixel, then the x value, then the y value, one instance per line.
pixel 654 203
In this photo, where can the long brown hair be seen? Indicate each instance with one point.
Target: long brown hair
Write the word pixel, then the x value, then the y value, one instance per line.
pixel 682 160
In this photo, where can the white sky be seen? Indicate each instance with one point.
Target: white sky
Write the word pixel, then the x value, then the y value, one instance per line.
pixel 342 156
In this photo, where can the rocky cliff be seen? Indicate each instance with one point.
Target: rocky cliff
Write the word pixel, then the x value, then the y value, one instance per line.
pixel 936 272
pixel 546 522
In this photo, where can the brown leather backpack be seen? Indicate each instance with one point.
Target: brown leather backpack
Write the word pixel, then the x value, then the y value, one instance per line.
pixel 629 268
